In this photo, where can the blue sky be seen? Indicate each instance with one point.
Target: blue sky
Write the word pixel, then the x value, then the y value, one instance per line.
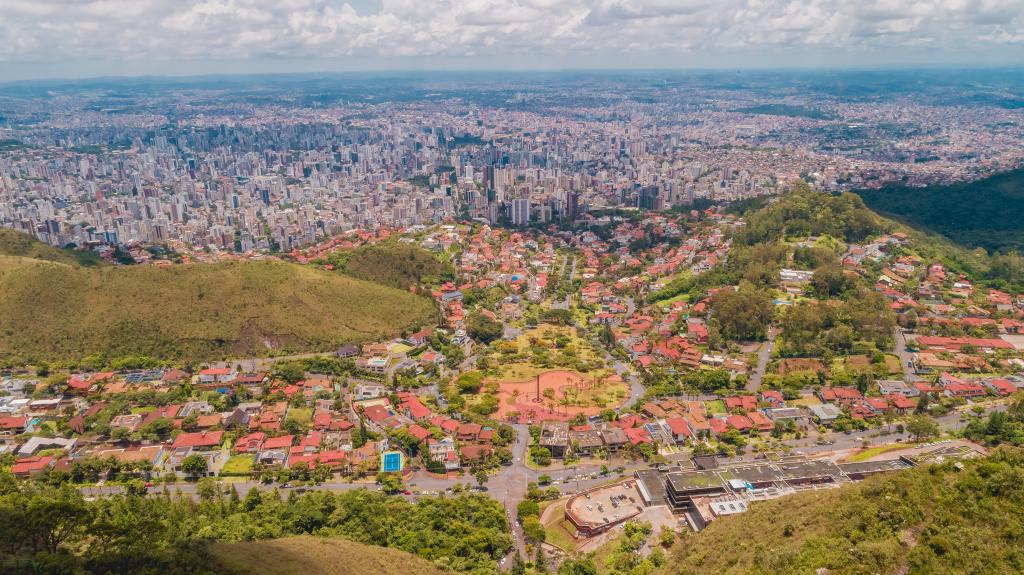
pixel 79 38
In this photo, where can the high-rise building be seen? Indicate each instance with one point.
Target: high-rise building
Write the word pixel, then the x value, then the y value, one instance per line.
pixel 520 212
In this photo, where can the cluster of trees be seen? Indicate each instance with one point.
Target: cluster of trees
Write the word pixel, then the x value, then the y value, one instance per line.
pixel 393 264
pixel 55 530
pixel 803 212
pixel 835 326
pixel 743 314
pixel 999 427
pixel 482 328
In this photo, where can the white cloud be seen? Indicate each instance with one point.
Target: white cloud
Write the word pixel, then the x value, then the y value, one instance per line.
pixel 488 30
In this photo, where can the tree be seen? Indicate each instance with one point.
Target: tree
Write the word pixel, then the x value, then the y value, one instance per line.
pixel 51 517
pixel 922 427
pixel 533 530
pixel 581 566
pixel 483 328
pixel 518 566
pixel 743 314
pixel 481 477
pixel 527 508
pixel 469 382
pixel 194 465
pixel 390 483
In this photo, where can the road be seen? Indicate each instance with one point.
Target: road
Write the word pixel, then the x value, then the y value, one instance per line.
pixel 764 355
pixel 906 358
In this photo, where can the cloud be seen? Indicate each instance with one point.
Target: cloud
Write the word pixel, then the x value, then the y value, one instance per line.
pixel 489 30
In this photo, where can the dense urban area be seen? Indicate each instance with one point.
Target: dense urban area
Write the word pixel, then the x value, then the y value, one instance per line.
pixel 585 324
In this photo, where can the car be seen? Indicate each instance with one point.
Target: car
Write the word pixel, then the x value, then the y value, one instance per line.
pixel 407 492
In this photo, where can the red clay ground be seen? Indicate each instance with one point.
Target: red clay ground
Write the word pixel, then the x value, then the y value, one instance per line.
pixel 560 382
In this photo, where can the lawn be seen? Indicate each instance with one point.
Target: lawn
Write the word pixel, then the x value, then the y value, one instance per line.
pixel 871 452
pixel 666 303
pixel 238 465
pixel 303 415
pixel 559 532
pixel 716 406
pixel 805 401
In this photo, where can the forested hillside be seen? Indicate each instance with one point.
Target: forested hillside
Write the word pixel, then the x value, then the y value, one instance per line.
pixel 928 521
pixel 55 530
pixel 986 213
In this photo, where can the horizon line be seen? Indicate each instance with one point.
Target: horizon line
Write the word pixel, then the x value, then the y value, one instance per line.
pixel 920 67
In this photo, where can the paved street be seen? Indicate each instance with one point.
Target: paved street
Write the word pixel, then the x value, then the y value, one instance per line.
pixel 764 355
pixel 906 358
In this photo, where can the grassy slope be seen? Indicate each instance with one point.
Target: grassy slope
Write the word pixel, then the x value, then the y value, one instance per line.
pixel 309 555
pixel 13 243
pixel 394 264
pixel 926 520
pixel 57 311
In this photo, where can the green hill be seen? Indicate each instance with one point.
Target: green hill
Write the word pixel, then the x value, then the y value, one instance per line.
pixel 308 555
pixel 935 520
pixel 56 311
pixel 14 243
pixel 987 213
pixel 393 264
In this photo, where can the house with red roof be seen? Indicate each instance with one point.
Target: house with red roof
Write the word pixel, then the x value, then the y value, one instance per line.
pixel 201 440
pixel 82 383
pixel 718 425
pixel 29 466
pixel 419 432
pixel 13 425
pixel 250 443
pixel 1000 386
pixel 773 397
pixel 760 421
pixel 679 429
pixel 217 375
pixel 839 395
pixel 638 435
pixel 741 402
pixel 739 422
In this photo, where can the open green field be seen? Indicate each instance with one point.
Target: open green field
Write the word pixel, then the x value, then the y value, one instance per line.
pixel 715 406
pixel 56 311
pixel 872 452
pixel 308 555
pixel 240 464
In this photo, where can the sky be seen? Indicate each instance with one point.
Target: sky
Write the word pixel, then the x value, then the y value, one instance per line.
pixel 87 38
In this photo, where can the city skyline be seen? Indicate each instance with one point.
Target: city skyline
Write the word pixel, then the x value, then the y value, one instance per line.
pixel 62 39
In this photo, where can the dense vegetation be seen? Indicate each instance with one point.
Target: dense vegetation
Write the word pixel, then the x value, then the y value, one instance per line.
pixel 999 427
pixel 393 264
pixel 803 212
pixel 59 312
pixel 933 520
pixel 986 213
pixel 54 530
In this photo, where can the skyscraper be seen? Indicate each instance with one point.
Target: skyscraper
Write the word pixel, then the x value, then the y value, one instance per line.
pixel 520 212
